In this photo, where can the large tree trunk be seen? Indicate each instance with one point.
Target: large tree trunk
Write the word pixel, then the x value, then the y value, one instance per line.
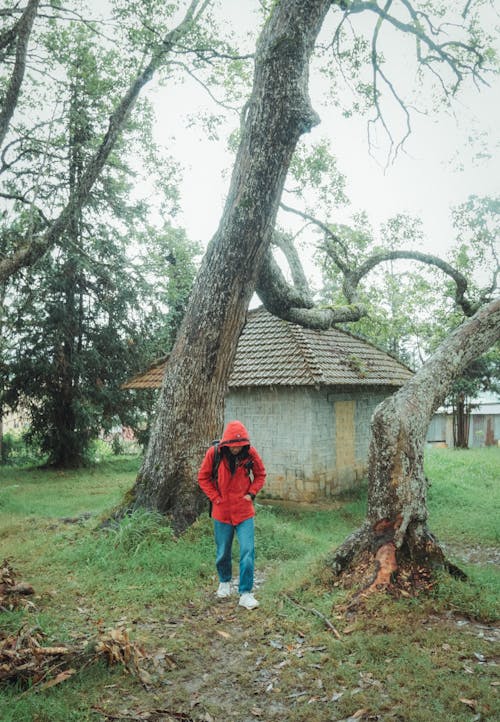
pixel 190 415
pixel 395 529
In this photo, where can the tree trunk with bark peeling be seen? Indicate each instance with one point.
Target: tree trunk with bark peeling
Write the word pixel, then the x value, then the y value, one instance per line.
pixel 189 415
pixel 395 530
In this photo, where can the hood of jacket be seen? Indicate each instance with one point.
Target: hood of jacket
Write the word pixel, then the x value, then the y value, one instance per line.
pixel 235 434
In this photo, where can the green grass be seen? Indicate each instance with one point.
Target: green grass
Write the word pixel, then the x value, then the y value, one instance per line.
pixel 464 496
pixel 49 494
pixel 410 660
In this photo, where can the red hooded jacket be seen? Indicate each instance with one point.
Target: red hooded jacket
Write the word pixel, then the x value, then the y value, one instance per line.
pixel 227 494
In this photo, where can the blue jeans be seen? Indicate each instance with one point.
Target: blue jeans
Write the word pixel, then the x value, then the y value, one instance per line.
pixel 224 534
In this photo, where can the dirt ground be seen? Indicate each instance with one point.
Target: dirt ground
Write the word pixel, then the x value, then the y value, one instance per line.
pixel 213 661
pixel 230 664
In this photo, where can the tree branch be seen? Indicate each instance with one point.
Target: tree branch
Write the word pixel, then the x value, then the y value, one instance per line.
pixel 460 281
pixel 205 87
pixel 468 60
pixel 328 233
pixel 353 276
pixel 296 304
pixel 34 249
pixel 23 32
pixel 300 282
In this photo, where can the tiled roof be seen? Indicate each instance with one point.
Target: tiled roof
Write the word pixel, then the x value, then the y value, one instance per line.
pixel 272 352
pixel 150 379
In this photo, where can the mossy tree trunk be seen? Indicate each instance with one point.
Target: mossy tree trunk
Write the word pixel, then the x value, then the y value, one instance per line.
pixel 190 408
pixel 395 529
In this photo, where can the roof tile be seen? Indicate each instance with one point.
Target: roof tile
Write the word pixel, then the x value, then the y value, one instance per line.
pixel 273 352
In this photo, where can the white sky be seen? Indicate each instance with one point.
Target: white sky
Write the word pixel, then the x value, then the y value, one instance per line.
pixel 424 181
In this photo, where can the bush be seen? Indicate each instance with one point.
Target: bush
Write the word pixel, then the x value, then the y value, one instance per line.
pixel 7 446
pixel 17 451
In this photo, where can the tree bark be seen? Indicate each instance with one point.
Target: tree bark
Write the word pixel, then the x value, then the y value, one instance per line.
pixel 461 422
pixel 22 32
pixel 190 415
pixel 395 530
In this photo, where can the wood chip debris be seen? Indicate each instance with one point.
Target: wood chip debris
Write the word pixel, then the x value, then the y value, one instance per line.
pixel 26 660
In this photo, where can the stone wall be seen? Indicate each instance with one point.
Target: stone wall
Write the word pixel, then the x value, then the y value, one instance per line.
pixel 314 443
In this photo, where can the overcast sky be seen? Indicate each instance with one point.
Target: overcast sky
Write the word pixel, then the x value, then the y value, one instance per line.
pixel 440 167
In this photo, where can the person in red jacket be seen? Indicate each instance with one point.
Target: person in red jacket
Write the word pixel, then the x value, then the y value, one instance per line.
pixel 239 477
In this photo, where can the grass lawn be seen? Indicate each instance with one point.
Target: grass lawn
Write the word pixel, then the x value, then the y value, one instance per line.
pixel 412 660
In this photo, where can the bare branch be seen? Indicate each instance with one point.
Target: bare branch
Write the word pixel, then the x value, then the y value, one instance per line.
pixel 449 61
pixel 205 87
pixel 472 62
pixel 379 117
pixel 328 233
pixel 209 54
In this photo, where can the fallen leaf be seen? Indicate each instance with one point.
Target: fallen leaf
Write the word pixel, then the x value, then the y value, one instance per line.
pixel 360 713
pixel 472 703
pixel 226 635
pixel 145 678
pixel 61 677
pixel 50 650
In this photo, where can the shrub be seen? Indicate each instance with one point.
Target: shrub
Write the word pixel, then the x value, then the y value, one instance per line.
pixel 17 451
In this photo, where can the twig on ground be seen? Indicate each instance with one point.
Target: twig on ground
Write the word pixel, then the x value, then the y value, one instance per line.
pixel 318 614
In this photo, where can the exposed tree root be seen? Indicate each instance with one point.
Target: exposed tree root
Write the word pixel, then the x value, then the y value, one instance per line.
pixel 369 561
pixel 386 565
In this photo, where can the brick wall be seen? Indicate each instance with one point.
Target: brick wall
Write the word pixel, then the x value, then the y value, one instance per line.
pixel 314 443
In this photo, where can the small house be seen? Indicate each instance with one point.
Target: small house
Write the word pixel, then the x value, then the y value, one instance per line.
pixel 307 398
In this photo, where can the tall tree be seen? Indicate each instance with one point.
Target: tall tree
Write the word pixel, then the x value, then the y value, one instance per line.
pixel 395 530
pixel 84 314
pixel 237 260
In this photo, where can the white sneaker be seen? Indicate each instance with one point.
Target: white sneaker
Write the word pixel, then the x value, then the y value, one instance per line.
pixel 224 590
pixel 248 601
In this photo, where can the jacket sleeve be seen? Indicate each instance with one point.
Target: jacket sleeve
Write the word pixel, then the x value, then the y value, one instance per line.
pixel 259 472
pixel 205 476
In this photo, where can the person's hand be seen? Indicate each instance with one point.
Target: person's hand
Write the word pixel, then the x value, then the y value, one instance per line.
pixel 248 497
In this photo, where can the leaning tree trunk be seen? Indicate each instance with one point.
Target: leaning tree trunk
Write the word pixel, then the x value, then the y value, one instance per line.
pixel 395 529
pixel 190 407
